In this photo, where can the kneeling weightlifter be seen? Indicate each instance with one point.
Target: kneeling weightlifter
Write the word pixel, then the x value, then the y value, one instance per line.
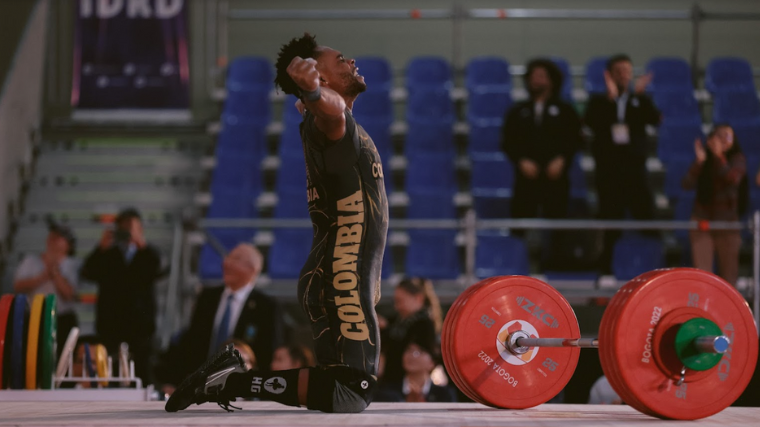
pixel 340 283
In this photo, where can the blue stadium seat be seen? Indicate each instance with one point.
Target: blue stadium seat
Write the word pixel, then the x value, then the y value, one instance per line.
pixel 209 263
pixel 428 73
pixel 566 92
pixel 488 74
pixel 675 170
pixel 492 171
pixel 736 108
pixel 429 172
pixel 249 73
pixel 290 114
pixel 242 136
pixel 373 107
pixel 250 106
pixel 499 254
pixel 484 139
pixel 381 136
pixel 430 204
pixel 492 179
pixel 670 75
pixel 292 203
pixel 634 254
pixel 430 107
pixel 291 175
pixel 678 108
pixel 578 184
pixel 748 136
pixel 290 141
pixel 729 74
pixel 234 170
pixel 487 108
pixel 377 73
pixel 429 138
pixel 232 203
pixel 682 210
pixel 289 252
pixel 388 265
pixel 432 254
pixel 492 203
pixel 594 82
pixel 676 141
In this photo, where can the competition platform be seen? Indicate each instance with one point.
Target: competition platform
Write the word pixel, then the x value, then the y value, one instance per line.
pixel 378 414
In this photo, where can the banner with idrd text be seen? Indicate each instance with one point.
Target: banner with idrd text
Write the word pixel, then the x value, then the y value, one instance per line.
pixel 131 54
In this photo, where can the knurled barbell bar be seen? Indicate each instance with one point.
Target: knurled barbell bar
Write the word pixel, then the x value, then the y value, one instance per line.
pixel 674 343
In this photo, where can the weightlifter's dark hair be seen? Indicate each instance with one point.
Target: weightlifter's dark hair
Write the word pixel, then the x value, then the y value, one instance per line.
pixel 305 47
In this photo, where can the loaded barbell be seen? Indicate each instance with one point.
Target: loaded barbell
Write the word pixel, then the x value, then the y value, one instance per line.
pixel 674 343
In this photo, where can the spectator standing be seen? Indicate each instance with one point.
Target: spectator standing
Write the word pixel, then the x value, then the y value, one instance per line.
pixel 719 173
pixel 541 136
pixel 55 271
pixel 618 121
pixel 125 268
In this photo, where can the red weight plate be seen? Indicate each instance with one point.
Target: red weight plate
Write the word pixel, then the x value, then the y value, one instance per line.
pixel 673 291
pixel 451 319
pixel 461 383
pixel 489 315
pixel 619 384
pixel 607 324
pixel 606 333
pixel 607 328
pixel 456 307
pixel 5 311
pixel 630 289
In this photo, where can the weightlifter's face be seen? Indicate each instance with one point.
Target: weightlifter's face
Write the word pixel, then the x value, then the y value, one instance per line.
pixel 339 73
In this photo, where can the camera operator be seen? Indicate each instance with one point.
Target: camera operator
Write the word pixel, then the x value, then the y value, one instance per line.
pixel 125 269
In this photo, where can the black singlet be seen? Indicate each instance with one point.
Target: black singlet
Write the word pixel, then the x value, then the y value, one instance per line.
pixel 339 285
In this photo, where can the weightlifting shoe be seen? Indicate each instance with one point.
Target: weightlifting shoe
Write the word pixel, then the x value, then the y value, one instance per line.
pixel 207 383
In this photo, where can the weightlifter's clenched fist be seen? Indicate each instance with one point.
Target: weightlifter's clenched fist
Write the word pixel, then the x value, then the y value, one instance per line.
pixel 304 73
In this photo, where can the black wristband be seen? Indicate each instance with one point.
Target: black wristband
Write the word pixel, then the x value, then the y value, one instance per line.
pixel 311 96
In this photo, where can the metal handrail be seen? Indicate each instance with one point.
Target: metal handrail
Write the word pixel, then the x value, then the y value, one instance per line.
pixel 171 314
pixel 470 226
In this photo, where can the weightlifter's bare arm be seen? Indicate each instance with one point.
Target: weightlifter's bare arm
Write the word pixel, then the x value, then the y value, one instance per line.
pixel 327 106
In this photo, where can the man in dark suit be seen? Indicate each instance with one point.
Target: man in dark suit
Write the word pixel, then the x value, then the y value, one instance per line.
pixel 541 136
pixel 235 310
pixel 618 120
pixel 125 268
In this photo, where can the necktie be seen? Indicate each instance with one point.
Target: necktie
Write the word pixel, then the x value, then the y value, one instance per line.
pixel 222 332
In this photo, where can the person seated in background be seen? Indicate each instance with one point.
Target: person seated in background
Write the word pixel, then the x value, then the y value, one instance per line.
pixel 620 146
pixel 719 173
pixel 292 357
pixel 55 271
pixel 246 353
pixel 234 310
pixel 602 393
pixel 125 268
pixel 541 136
pixel 419 358
pixel 418 313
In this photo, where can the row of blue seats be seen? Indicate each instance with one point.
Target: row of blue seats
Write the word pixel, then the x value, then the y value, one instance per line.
pixel 489 84
pixel 430 113
pixel 721 74
pixel 434 254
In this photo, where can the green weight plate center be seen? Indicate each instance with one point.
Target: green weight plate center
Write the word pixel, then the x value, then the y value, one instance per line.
pixel 686 348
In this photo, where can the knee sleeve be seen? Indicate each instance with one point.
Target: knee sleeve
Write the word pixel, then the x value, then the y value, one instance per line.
pixel 339 389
